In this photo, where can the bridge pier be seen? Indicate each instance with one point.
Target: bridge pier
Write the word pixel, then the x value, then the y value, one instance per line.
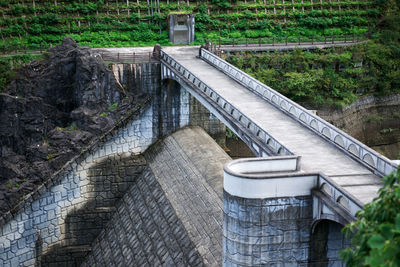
pixel 267 217
pixel 274 215
pixel 266 231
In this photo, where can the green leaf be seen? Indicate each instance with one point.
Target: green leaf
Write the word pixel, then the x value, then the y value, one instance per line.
pixel 397 222
pixel 386 230
pixel 374 260
pixel 376 241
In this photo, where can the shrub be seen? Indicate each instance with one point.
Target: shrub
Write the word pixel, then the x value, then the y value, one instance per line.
pixel 376 233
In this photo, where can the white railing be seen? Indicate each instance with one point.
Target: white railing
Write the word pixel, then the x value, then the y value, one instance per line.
pixel 338 195
pixel 362 153
pixel 223 104
pixel 280 177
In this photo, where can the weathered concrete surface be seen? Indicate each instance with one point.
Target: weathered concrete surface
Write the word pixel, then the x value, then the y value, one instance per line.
pixel 172 107
pixel 326 242
pixel 188 166
pixel 107 182
pixel 266 232
pixel 144 231
pixel 47 223
pixel 172 215
pixel 317 154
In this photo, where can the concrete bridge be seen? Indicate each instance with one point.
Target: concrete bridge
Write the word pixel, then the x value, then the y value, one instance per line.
pixel 301 155
pixel 136 197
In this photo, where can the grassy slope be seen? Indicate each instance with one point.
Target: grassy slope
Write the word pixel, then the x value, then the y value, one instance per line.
pixel 122 23
pixel 334 76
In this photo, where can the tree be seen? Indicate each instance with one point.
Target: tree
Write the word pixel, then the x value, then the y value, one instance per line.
pixel 376 233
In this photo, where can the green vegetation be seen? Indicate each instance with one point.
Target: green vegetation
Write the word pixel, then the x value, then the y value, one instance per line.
pixel 113 106
pixel 104 114
pixel 230 134
pixel 51 156
pixel 326 77
pixel 119 23
pixel 334 76
pixel 9 65
pixel 376 233
pixel 72 127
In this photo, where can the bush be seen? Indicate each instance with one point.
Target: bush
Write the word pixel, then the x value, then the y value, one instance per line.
pixel 376 233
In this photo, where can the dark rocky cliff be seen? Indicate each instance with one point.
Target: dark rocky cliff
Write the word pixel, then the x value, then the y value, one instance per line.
pixel 52 110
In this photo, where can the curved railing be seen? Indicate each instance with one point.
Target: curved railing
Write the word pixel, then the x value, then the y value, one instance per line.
pixel 362 153
pixel 280 176
pixel 223 104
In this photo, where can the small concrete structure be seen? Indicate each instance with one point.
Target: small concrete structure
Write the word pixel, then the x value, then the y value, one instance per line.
pixel 181 28
pixel 270 205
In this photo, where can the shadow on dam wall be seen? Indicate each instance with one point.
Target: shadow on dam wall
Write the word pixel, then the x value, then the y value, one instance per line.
pixel 172 108
pixel 109 179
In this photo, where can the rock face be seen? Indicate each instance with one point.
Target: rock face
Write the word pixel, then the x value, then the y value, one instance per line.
pixel 52 109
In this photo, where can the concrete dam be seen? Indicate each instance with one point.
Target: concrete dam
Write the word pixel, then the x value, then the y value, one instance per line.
pixel 160 191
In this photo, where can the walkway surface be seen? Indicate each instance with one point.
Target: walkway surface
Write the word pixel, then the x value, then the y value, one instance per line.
pixel 317 154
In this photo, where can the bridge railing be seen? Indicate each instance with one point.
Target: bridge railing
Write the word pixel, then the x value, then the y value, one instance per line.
pixel 338 195
pixel 281 176
pixel 368 157
pixel 271 143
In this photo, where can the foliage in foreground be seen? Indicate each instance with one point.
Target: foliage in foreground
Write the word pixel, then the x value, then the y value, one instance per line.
pixel 376 233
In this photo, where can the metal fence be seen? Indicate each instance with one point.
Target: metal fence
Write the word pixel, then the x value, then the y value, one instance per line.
pixel 287 41
pixel 129 57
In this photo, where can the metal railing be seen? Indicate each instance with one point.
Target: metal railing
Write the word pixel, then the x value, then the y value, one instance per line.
pixel 368 157
pixel 24 49
pixel 125 57
pixel 259 134
pixel 288 41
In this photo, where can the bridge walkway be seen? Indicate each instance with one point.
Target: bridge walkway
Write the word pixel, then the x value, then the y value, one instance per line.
pixel 317 155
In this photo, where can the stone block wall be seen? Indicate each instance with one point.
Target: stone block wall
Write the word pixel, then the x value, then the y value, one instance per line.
pixel 60 220
pixel 144 231
pixel 269 232
pixel 66 213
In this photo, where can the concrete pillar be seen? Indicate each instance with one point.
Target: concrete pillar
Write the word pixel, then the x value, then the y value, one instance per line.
pixel 267 212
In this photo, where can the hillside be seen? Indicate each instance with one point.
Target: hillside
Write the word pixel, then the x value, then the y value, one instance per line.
pixel 37 24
